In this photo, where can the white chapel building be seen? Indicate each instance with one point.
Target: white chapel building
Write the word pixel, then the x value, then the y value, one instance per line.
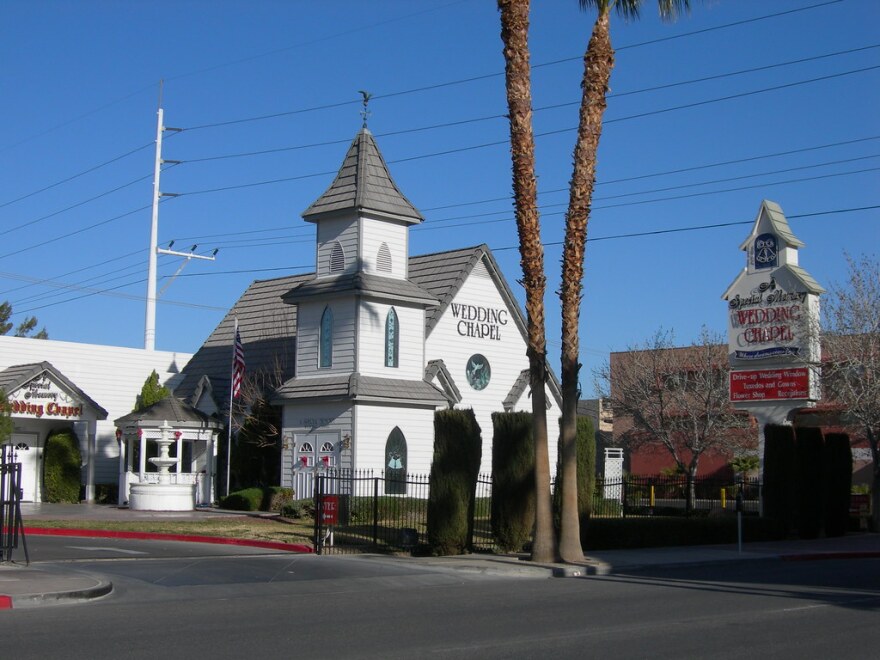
pixel 362 352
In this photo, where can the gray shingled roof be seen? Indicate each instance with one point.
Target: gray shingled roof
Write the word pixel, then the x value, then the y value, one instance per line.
pixel 170 409
pixel 268 326
pixel 364 183
pixel 437 369
pixel 778 222
pixel 387 288
pixel 17 375
pixel 358 387
pixel 519 386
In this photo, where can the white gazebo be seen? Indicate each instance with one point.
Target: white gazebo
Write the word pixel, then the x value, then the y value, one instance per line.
pixel 181 477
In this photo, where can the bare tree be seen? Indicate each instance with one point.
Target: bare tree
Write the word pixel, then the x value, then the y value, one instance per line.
pixel 851 360
pixel 677 398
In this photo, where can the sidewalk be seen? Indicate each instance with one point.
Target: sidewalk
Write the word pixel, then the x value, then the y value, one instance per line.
pixel 31 586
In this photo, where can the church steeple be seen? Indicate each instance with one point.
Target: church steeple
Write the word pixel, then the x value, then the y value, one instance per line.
pixel 363 185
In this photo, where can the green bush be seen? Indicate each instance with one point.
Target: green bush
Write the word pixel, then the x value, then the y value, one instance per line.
pixel 298 509
pixel 513 472
pixel 808 477
pixel 623 533
pixel 62 467
pixel 107 493
pixel 586 475
pixel 453 481
pixel 837 464
pixel 779 476
pixel 249 499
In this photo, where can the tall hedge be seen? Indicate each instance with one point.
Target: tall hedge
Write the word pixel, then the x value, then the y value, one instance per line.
pixel 513 480
pixel 779 476
pixel 586 475
pixel 808 465
pixel 837 478
pixel 453 481
pixel 62 467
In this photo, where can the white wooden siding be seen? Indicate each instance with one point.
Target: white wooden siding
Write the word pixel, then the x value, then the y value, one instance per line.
pixel 308 323
pixel 506 356
pixel 375 232
pixel 371 344
pixel 330 231
pixel 374 424
pixel 111 375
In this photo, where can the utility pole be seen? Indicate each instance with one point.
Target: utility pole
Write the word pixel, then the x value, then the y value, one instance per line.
pixel 150 321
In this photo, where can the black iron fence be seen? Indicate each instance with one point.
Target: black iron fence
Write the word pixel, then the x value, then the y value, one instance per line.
pixel 366 511
pixel 634 496
pixel 11 530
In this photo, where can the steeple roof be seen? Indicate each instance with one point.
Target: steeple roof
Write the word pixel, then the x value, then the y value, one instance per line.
pixel 363 183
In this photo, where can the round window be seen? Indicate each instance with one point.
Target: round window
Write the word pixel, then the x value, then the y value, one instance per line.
pixel 478 371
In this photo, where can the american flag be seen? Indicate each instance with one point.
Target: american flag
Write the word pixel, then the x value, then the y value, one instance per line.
pixel 237 364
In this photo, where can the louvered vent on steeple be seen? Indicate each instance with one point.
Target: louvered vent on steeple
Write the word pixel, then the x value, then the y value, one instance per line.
pixel 337 258
pixel 383 259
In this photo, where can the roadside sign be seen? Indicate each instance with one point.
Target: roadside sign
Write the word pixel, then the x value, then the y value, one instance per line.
pixel 769 384
pixel 330 510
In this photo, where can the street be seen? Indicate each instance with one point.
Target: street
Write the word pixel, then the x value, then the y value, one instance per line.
pixel 180 600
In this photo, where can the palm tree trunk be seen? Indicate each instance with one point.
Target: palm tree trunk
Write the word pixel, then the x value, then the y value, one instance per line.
pixel 514 34
pixel 598 64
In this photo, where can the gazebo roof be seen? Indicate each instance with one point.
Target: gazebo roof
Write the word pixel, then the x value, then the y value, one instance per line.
pixel 173 411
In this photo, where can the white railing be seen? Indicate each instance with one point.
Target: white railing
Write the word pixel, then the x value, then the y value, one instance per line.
pixel 179 479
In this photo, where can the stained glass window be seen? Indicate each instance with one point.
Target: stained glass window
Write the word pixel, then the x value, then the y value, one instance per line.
pixel 392 340
pixel 325 349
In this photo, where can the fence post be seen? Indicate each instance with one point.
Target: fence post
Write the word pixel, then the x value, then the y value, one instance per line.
pixel 318 517
pixel 376 511
pixel 623 495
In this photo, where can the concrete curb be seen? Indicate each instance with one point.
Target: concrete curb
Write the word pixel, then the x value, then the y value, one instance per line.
pixel 155 536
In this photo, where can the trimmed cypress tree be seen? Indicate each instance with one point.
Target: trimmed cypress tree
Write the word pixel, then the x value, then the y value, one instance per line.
pixel 513 480
pixel 808 466
pixel 779 475
pixel 837 466
pixel 586 474
pixel 62 467
pixel 453 482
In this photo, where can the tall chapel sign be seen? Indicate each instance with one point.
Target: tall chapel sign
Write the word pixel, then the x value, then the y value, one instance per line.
pixel 772 323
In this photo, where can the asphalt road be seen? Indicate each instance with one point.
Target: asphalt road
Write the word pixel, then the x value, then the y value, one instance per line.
pixel 194 601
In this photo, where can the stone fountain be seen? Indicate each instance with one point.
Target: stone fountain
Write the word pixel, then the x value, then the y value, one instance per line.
pixel 163 494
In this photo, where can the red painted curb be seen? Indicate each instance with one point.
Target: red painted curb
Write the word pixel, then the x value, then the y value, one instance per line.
pixel 5 602
pixel 844 554
pixel 150 536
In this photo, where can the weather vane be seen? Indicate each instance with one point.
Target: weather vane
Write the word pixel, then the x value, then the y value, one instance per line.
pixel 365 113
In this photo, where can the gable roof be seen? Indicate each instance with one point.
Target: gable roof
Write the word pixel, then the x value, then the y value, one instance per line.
pixel 363 183
pixel 17 375
pixel 359 388
pixel 268 326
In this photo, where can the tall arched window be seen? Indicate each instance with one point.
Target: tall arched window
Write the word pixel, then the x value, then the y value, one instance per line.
pixel 395 463
pixel 392 338
pixel 325 341
pixel 337 258
pixel 383 259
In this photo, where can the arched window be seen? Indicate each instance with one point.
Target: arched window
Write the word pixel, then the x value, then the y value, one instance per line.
pixel 383 259
pixel 337 258
pixel 395 463
pixel 392 338
pixel 325 342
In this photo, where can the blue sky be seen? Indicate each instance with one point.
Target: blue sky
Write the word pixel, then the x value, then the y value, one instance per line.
pixel 737 102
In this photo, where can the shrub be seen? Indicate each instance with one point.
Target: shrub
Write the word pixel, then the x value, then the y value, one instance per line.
pixel 249 499
pixel 513 470
pixel 453 481
pixel 623 533
pixel 808 465
pixel 779 475
pixel 62 467
pixel 837 464
pixel 107 493
pixel 298 509
pixel 586 475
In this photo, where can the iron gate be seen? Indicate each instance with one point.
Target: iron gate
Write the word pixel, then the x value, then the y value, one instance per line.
pixel 11 529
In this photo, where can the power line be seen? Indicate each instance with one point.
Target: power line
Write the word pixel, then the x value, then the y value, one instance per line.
pixel 498 74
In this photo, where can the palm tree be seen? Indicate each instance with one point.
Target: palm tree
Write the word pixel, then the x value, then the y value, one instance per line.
pixel 514 34
pixel 598 64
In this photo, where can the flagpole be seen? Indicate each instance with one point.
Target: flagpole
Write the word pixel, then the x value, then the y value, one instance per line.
pixel 231 388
